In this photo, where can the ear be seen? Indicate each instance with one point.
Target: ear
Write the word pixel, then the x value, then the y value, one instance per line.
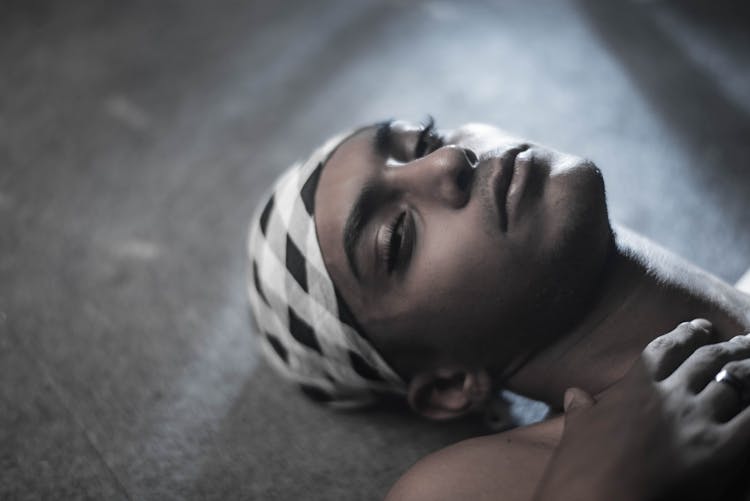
pixel 448 393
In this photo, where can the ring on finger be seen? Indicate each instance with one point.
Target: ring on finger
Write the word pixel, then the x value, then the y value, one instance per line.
pixel 724 376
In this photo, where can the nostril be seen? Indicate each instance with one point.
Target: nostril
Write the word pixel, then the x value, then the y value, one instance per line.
pixel 471 156
pixel 463 180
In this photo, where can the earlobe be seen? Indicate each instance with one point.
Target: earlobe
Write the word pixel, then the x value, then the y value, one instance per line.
pixel 448 393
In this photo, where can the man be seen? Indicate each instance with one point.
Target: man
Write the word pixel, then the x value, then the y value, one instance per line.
pixel 443 266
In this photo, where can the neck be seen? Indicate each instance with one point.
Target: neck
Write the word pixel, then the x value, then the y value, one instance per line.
pixel 645 292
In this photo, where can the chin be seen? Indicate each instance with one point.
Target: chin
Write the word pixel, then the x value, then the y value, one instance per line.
pixel 579 236
pixel 578 206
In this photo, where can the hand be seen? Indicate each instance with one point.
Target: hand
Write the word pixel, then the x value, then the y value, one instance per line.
pixel 666 430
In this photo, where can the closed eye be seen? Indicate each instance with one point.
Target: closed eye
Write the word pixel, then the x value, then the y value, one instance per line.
pixel 397 242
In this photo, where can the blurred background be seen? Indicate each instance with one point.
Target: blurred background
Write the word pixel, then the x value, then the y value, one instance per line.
pixel 136 138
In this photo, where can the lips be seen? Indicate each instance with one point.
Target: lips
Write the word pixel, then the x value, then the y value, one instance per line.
pixel 502 182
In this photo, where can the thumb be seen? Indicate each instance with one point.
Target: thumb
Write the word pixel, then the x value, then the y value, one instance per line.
pixel 576 398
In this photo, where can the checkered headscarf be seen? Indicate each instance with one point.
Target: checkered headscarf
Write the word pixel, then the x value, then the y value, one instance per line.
pixel 306 329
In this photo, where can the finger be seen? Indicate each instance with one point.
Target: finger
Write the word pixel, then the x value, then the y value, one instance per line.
pixel 576 398
pixel 700 367
pixel 727 394
pixel 737 433
pixel 665 353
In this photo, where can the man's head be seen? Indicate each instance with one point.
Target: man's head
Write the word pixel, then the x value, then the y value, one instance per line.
pixel 460 253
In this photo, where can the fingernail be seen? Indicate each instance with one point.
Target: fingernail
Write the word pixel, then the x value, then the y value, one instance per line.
pixel 568 399
pixel 702 323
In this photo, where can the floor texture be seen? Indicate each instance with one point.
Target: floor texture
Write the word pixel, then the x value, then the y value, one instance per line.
pixel 136 138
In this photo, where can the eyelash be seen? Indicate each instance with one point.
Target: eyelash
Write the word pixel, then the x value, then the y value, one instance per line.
pixel 394 238
pixel 429 140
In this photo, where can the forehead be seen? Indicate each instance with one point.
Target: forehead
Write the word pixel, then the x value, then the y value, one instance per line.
pixel 352 158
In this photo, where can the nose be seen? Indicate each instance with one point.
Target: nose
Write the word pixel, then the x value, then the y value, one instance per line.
pixel 443 177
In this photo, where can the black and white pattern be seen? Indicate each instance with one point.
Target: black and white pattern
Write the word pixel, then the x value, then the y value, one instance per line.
pixel 306 330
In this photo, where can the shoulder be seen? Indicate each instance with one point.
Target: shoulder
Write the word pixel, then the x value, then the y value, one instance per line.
pixel 504 466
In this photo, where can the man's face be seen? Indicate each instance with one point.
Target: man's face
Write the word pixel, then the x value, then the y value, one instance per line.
pixel 468 248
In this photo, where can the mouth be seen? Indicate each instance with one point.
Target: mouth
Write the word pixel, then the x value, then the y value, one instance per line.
pixel 502 181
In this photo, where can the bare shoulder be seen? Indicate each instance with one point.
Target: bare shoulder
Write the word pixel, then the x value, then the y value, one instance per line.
pixel 504 466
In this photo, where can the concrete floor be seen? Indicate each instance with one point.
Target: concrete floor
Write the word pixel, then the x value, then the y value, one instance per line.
pixel 136 138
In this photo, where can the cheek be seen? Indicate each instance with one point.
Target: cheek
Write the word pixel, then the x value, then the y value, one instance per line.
pixel 456 251
pixel 461 276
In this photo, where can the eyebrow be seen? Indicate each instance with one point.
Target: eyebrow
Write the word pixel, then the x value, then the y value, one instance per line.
pixel 355 224
pixel 365 204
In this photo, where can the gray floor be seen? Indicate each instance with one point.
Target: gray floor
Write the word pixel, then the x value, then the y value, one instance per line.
pixel 136 137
